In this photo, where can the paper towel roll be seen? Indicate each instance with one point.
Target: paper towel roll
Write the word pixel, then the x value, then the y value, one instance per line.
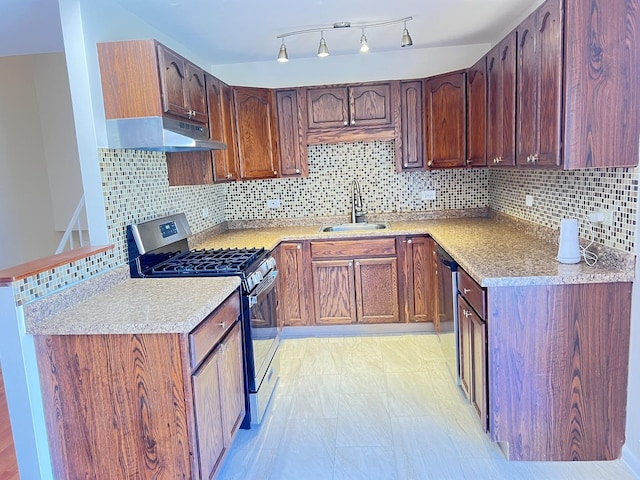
pixel 569 245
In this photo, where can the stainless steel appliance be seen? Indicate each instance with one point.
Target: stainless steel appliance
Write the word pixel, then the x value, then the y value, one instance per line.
pixel 447 309
pixel 159 248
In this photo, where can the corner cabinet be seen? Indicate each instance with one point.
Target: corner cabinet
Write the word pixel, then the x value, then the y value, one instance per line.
pixel 355 281
pixel 226 164
pixel 144 405
pixel 445 114
pixel 256 132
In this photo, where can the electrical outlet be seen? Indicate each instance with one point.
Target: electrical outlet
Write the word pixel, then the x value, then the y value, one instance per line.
pixel 273 203
pixel 428 194
pixel 205 212
pixel 528 200
pixel 607 217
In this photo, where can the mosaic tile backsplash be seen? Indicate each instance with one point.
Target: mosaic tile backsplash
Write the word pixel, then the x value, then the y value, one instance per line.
pixel 136 188
pixel 327 190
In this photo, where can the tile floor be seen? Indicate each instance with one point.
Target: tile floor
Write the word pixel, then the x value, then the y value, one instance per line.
pixel 378 407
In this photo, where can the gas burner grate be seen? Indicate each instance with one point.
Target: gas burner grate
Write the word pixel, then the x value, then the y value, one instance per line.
pixel 203 262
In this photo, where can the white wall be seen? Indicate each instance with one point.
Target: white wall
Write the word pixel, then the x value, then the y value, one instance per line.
pixel 26 213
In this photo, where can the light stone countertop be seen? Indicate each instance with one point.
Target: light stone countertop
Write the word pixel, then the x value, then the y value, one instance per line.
pixel 140 305
pixel 494 253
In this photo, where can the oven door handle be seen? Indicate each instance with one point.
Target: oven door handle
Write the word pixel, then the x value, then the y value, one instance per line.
pixel 263 288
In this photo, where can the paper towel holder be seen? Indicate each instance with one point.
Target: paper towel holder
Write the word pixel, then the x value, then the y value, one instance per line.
pixel 569 244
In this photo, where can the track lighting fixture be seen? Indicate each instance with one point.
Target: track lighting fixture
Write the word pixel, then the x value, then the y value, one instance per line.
pixel 364 48
pixel 282 54
pixel 406 38
pixel 323 50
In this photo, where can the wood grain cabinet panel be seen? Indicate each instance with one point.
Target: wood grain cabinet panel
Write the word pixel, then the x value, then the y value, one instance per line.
pixel 539 93
pixel 293 292
pixel 410 141
pixel 501 103
pixel 477 114
pixel 256 135
pixel 327 107
pixel 370 105
pixel 334 291
pixel 292 145
pixel 377 290
pixel 446 121
pixel 419 283
pixel 133 406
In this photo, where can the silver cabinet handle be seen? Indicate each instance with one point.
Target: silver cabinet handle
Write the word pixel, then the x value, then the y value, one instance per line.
pixel 299 247
pixel 223 325
pixel 353 122
pixel 275 172
pixel 297 170
pixel 466 313
pixel 409 241
pixel 466 290
pixel 346 123
pixel 357 264
pixel 351 264
pixel 406 165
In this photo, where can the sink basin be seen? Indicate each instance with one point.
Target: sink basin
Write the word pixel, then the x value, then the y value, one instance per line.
pixel 354 227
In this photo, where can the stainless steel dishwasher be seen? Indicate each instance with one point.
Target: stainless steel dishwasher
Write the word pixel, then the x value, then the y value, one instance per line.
pixel 447 311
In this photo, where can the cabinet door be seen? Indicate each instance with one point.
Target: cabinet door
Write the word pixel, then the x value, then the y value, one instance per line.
pixel 292 289
pixel 446 120
pixel 292 146
pixel 225 162
pixel 377 290
pixel 327 107
pixel 255 127
pixel 477 114
pixel 172 80
pixel 501 103
pixel 195 93
pixel 410 148
pixel 231 376
pixel 464 341
pixel 334 291
pixel 189 168
pixel 370 105
pixel 420 290
pixel 208 415
pixel 527 101
pixel 479 369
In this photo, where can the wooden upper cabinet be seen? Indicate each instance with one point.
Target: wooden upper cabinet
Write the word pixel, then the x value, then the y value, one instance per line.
pixel 355 112
pixel 410 139
pixel 292 145
pixel 477 114
pixel 327 107
pixel 446 120
pixel 539 94
pixel 255 128
pixel 601 83
pixel 501 103
pixel 183 86
pixel 225 162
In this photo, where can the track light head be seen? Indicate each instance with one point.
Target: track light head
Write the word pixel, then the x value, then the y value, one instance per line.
pixel 282 54
pixel 323 50
pixel 364 48
pixel 406 38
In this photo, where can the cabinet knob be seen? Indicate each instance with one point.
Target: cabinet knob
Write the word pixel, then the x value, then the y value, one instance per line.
pixel 357 264
pixel 351 264
pixel 430 163
pixel 222 325
pixel 406 165
pixel 466 290
pixel 468 162
pixel 466 313
pixel 299 247
pixel 229 175
pixel 346 123
pixel 409 241
pixel 297 170
pixel 353 122
pixel 275 173
pixel 534 158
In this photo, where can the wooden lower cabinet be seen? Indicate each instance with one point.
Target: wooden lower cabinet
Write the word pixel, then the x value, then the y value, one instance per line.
pixel 144 405
pixel 293 294
pixel 355 281
pixel 419 272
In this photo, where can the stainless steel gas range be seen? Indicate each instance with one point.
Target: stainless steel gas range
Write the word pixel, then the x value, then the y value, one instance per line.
pixel 159 248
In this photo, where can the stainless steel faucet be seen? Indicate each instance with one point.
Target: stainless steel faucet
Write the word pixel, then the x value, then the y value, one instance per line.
pixel 357 207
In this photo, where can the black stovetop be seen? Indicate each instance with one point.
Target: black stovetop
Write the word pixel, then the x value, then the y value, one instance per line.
pixel 207 262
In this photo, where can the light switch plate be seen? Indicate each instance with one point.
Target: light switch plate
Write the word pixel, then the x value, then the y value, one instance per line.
pixel 273 203
pixel 528 200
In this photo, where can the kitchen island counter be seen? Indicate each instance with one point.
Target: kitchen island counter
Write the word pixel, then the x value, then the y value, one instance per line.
pixel 494 251
pixel 137 306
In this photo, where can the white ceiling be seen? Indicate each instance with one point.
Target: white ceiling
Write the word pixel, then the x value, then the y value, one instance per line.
pixel 233 31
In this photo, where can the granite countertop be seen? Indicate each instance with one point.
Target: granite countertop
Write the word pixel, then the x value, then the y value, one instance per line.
pixel 145 305
pixel 493 252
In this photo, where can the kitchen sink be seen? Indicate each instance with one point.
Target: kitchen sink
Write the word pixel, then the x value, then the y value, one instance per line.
pixel 354 227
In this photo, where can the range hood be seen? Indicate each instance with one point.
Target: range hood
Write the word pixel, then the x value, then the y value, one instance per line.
pixel 159 134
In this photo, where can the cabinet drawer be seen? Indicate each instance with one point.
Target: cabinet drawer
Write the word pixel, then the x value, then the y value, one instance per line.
pixel 206 335
pixel 353 248
pixel 472 292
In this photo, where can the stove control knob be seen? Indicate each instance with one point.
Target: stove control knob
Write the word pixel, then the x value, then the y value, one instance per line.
pixel 271 263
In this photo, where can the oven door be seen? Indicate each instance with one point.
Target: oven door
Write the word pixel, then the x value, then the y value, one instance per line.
pixel 265 331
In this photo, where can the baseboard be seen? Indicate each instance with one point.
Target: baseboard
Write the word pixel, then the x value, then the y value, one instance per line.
pixel 631 460
pixel 363 329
